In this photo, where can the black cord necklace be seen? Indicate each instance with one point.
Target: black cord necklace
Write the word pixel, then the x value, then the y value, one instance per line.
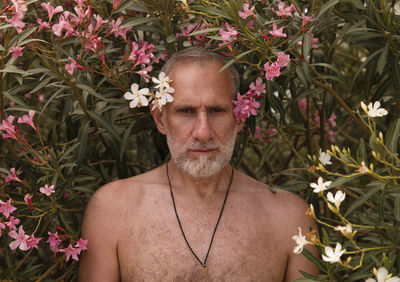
pixel 203 264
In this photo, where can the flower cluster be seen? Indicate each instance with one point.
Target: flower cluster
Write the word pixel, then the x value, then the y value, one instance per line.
pixel 274 69
pixel 161 97
pixel 246 104
pixel 91 30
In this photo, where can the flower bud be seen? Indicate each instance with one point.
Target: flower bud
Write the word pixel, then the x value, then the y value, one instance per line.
pixel 381 135
pixel 310 212
pixel 364 107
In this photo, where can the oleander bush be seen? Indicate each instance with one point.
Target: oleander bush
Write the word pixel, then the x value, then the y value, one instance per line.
pixel 319 93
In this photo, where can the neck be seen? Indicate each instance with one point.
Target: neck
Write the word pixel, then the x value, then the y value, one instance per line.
pixel 202 188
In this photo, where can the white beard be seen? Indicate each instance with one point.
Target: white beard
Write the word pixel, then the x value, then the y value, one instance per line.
pixel 202 166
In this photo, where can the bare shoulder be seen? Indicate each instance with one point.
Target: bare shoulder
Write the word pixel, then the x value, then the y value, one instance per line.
pixel 117 194
pixel 275 203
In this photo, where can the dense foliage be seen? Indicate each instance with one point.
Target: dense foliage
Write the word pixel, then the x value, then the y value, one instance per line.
pixel 306 66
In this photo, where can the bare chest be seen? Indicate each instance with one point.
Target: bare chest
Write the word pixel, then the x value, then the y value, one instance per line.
pixel 245 248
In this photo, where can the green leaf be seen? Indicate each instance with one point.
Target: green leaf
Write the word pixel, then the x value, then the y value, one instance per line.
pixel 361 151
pixel 19 39
pixel 342 180
pixel 325 237
pixel 82 138
pixel 302 76
pixel 327 6
pixel 136 21
pixel 234 60
pixel 13 69
pixel 397 207
pixel 306 44
pixel 106 124
pixel 382 59
pixel 67 153
pixel 268 150
pixel 91 91
pixel 392 139
pixel 363 198
pixel 206 30
pixel 313 259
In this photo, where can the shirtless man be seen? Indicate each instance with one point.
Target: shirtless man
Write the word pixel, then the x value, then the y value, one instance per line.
pixel 132 224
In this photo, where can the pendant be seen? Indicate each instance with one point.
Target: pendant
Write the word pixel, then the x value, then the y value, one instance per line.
pixel 204 270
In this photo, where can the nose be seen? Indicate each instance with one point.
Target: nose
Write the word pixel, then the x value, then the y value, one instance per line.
pixel 203 130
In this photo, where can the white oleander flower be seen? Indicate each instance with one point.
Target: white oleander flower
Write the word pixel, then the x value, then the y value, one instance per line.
pixel 137 96
pixel 320 185
pixel 325 158
pixel 333 256
pixel 375 110
pixel 300 241
pixel 337 199
pixel 345 230
pixel 382 275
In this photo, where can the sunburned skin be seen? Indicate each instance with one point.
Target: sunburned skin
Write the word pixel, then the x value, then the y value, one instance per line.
pixel 131 226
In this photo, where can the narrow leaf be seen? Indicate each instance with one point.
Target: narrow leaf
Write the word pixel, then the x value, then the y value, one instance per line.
pixel 382 59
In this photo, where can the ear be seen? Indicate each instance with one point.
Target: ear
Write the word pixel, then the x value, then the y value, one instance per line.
pixel 158 119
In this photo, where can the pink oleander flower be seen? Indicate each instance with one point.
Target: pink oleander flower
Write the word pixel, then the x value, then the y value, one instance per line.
pixel 258 134
pixel 54 242
pixel 12 176
pixel 71 252
pixel 9 128
pixel 116 3
pixel 284 10
pixel 28 119
pixel 28 199
pixel 2 226
pixel 144 55
pixel 72 66
pixel 62 24
pixel 80 3
pixel 6 208
pixel 16 23
pixel 271 134
pixel 244 107
pixel 42 24
pixel 277 32
pixel 302 104
pixel 99 21
pixel 246 11
pixel 19 6
pixel 228 35
pixel 81 245
pixel 306 19
pixel 256 89
pixel 20 239
pixel 283 59
pixel 145 73
pixel 12 223
pixel 199 39
pixel 271 71
pixel 50 9
pixel 16 51
pixel 47 190
pixel 32 241
pixel 116 30
pixel 314 42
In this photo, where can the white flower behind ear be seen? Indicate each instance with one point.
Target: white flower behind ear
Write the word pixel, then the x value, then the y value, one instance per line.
pixel 137 96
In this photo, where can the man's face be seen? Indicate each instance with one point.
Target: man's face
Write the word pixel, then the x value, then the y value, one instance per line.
pixel 199 123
